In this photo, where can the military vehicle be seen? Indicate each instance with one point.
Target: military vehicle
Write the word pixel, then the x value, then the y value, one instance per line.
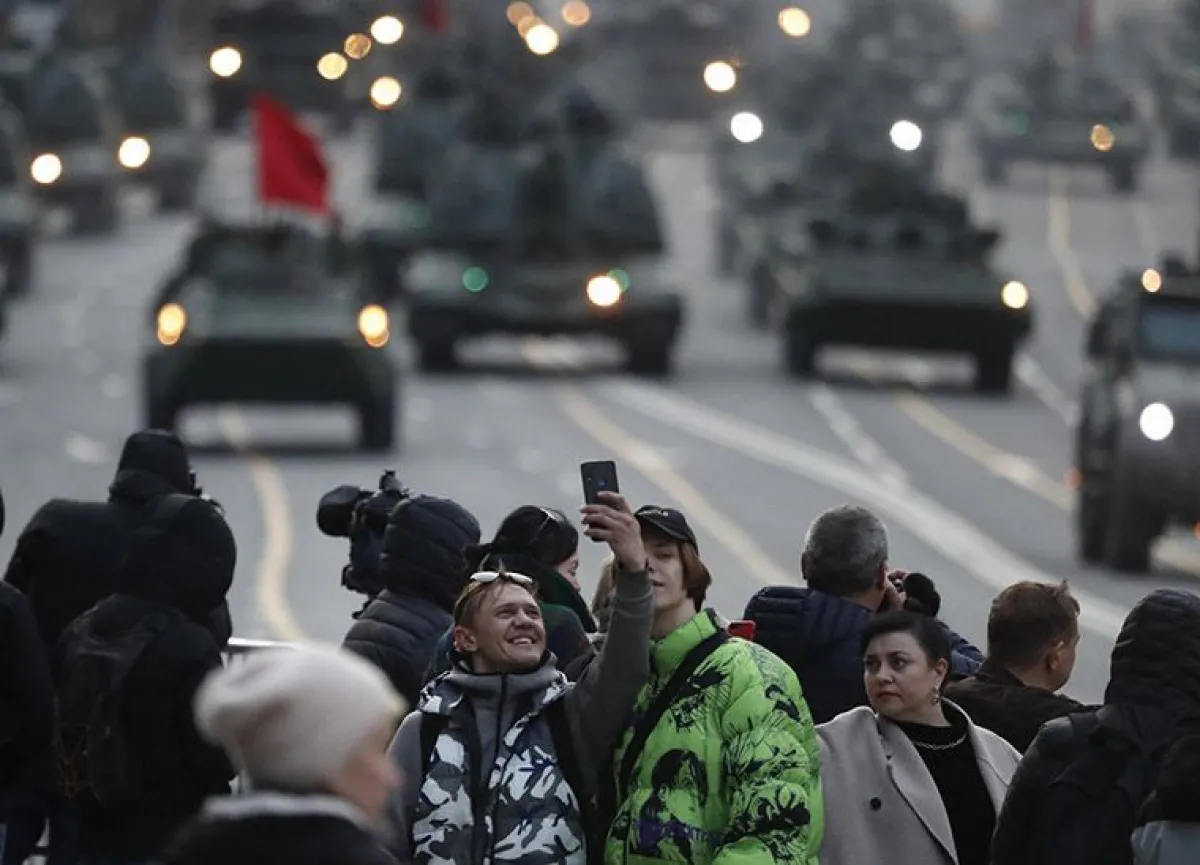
pixel 269 314
pixel 898 266
pixel 162 145
pixel 74 135
pixel 290 49
pixel 1076 116
pixel 20 219
pixel 411 141
pixel 534 246
pixel 1137 450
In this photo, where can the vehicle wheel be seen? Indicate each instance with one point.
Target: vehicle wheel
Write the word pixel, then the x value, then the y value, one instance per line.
pixel 649 356
pixel 161 415
pixel 377 426
pixel 1091 511
pixel 98 216
pixel 1131 531
pixel 441 356
pixel 995 172
pixel 993 371
pixel 177 196
pixel 799 353
pixel 1124 178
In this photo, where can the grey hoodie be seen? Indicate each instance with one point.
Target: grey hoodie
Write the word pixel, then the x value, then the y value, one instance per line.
pixel 597 707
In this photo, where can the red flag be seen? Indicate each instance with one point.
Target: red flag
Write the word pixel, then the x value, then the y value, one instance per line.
pixel 291 168
pixel 435 15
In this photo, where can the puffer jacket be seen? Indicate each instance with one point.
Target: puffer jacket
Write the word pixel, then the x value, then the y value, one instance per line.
pixel 1168 831
pixel 731 773
pixel 1152 696
pixel 819 636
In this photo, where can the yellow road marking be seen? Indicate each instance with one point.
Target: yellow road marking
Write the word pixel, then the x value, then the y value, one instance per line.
pixel 276 558
pixel 1058 238
pixel 592 421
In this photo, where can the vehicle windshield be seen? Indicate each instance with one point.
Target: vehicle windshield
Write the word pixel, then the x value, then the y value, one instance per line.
pixel 64 110
pixel 261 262
pixel 1169 330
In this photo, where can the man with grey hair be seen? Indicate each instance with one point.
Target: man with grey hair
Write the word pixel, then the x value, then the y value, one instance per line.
pixel 817 629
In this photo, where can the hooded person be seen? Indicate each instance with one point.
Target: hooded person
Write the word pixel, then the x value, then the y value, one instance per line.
pixel 129 669
pixel 541 543
pixel 423 569
pixel 308 727
pixel 68 558
pixel 1076 794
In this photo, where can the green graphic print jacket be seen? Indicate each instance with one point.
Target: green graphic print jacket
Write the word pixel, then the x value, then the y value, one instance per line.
pixel 731 774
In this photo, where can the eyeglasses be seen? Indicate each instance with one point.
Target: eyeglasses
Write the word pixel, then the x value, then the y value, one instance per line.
pixel 492 576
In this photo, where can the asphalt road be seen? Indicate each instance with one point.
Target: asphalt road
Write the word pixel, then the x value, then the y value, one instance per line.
pixel 972 490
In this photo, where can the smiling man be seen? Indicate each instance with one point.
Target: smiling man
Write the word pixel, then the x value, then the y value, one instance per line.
pixel 502 757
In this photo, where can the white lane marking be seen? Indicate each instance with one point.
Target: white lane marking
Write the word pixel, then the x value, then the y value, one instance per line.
pixel 940 528
pixel 847 428
pixel 276 557
pixel 1038 381
pixel 84 449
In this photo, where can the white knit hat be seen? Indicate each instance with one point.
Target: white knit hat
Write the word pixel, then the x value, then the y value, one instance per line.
pixel 292 718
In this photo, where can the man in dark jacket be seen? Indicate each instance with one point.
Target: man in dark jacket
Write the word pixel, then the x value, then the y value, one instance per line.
pixel 1033 632
pixel 1075 797
pixel 26 727
pixel 423 571
pixel 69 556
pixel 179 568
pixel 817 630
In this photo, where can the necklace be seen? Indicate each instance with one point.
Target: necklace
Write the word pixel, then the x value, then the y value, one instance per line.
pixel 929 746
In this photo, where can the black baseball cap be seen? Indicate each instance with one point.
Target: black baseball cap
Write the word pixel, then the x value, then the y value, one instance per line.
pixel 667 521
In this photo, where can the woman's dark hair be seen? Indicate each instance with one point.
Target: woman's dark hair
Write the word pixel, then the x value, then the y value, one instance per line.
pixel 542 534
pixel 929 633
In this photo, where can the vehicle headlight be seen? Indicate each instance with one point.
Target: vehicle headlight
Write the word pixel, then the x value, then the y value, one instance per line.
pixel 720 77
pixel 1156 421
pixel 603 290
pixel 172 320
pixel 332 66
pixel 387 30
pixel 374 326
pixel 1014 295
pixel 134 152
pixel 225 62
pixel 385 92
pixel 46 168
pixel 746 127
pixel 1102 138
pixel 906 135
pixel 795 22
pixel 541 39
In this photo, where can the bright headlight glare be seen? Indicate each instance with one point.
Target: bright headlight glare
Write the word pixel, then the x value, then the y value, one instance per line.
pixel 542 39
pixel 603 290
pixel 225 62
pixel 746 127
pixel 134 152
pixel 720 77
pixel 46 168
pixel 1156 421
pixel 172 320
pixel 387 30
pixel 1014 295
pixel 332 66
pixel 906 135
pixel 374 326
pixel 385 92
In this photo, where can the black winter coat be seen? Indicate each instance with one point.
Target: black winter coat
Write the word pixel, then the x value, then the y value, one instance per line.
pixel 69 556
pixel 819 636
pixel 277 829
pixel 398 634
pixel 997 700
pixel 26 698
pixel 1155 692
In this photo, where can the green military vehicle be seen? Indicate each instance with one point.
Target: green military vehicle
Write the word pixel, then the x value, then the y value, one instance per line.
pixel 270 314
pixel 1071 116
pixel 20 216
pixel 899 268
pixel 1137 441
pixel 528 243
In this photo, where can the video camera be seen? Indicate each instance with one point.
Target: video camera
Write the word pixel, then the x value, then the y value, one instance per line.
pixel 361 515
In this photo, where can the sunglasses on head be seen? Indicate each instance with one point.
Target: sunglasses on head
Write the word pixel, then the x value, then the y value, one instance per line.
pixel 492 576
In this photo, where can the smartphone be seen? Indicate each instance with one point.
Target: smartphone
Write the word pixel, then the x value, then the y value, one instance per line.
pixel 743 628
pixel 599 476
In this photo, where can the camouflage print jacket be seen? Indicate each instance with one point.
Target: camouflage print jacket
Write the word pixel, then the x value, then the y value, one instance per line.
pixel 494 792
pixel 731 773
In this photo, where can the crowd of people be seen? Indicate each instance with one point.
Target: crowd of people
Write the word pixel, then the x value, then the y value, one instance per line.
pixel 480 711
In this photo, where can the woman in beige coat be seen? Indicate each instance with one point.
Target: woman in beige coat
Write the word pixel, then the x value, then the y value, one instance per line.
pixel 910 780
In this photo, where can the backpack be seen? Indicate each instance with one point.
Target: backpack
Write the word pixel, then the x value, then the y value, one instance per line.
pixel 1090 807
pixel 555 714
pixel 93 751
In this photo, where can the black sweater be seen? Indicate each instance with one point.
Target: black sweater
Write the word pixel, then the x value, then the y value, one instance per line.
pixel 950 759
